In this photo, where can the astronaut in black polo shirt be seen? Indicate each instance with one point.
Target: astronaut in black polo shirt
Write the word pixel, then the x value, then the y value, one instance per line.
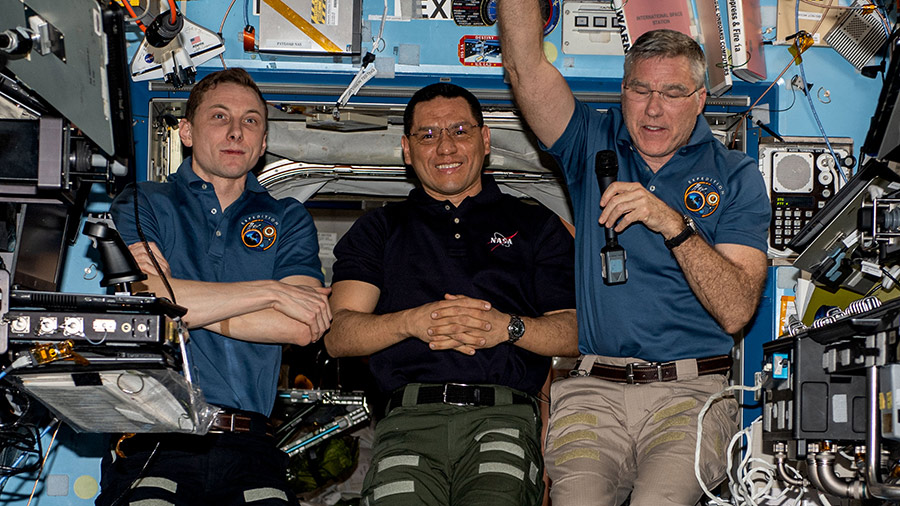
pixel 460 294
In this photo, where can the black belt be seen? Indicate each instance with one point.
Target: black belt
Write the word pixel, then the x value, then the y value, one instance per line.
pixel 643 372
pixel 459 395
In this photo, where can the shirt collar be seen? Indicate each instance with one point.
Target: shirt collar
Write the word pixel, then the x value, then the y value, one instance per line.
pixel 186 175
pixel 490 192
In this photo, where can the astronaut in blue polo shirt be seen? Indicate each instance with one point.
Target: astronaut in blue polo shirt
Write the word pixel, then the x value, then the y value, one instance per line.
pixel 692 218
pixel 246 267
pixel 460 294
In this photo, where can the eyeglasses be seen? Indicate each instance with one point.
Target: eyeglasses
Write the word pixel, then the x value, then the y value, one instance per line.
pixel 456 133
pixel 672 96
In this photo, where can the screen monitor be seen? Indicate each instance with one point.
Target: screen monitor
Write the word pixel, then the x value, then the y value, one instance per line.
pixel 826 244
pixel 82 73
pixel 883 138
pixel 33 157
pixel 40 247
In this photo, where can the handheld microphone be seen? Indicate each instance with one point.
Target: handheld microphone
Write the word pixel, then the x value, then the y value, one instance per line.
pixel 612 256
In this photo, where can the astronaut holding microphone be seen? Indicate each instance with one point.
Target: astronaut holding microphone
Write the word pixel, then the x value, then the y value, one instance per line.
pixel 655 338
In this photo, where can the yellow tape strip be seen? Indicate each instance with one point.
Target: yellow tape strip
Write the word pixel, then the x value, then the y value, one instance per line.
pixel 303 25
pixel 681 407
pixel 588 419
pixel 578 453
pixel 671 422
pixel 578 435
pixel 665 438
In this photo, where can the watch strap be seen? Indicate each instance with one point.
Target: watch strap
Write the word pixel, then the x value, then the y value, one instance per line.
pixel 685 234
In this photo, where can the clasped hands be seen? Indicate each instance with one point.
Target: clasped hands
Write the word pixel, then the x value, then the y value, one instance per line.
pixel 460 323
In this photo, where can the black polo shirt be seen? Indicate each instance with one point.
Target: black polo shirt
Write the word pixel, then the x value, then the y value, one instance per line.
pixel 493 246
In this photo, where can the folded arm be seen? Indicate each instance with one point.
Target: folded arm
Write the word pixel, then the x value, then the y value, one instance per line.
pixel 292 310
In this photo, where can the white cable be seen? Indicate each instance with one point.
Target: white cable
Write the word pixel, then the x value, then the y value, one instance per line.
pixel 796 500
pixel 182 345
pixel 745 490
pixel 703 410
pixel 17 363
pixel 741 488
pixel 377 41
pixel 752 482
pixel 768 472
pixel 141 15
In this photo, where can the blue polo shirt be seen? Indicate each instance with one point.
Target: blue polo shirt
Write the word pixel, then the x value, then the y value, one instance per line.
pixel 493 246
pixel 256 237
pixel 655 315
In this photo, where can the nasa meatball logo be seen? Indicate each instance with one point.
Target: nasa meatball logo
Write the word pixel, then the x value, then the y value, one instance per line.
pixel 702 196
pixel 259 231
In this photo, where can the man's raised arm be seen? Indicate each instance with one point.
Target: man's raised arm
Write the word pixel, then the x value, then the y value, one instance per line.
pixel 541 92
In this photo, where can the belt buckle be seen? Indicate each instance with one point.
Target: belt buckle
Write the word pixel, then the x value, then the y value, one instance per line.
pixel 444 397
pixel 629 370
pixel 217 426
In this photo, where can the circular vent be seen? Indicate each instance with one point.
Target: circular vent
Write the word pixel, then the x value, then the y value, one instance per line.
pixel 792 172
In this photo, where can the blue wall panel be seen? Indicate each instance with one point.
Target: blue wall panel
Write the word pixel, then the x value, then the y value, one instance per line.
pixel 75 458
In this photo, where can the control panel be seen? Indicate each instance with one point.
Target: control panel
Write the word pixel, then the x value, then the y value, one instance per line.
pixel 801 175
pixel 590 28
pixel 89 328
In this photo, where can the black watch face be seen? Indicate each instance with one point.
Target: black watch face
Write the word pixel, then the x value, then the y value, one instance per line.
pixel 516 328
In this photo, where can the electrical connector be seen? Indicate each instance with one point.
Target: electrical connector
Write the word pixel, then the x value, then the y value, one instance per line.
pixel 21 361
pixel 802 42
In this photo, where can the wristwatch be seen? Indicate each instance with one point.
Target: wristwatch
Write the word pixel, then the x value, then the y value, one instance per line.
pixel 516 328
pixel 689 229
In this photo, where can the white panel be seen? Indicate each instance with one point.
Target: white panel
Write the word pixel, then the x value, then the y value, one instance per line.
pixel 590 28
